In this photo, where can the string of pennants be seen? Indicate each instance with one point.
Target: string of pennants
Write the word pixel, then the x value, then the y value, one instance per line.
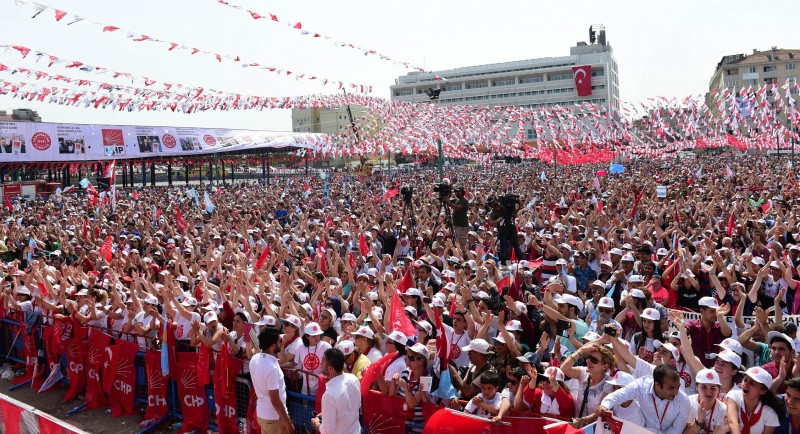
pixel 178 47
pixel 298 26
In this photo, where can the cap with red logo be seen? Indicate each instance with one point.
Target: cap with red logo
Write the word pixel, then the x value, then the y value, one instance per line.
pixel 621 379
pixel 707 376
pixel 760 376
pixel 651 314
pixel 708 302
pixel 313 329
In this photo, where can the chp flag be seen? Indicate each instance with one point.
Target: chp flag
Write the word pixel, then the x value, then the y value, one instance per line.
pixel 583 79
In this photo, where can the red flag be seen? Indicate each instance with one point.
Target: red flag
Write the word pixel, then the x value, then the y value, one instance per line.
pixel 106 250
pixel 583 79
pixel 180 223
pixel 731 226
pixel 385 414
pixel 43 289
pixel 121 396
pixel 98 341
pixel 112 354
pixel 502 283
pixel 677 215
pixel 398 320
pixel 85 228
pixel 389 194
pixel 362 245
pixel 203 357
pixel 76 356
pixel 563 428
pixel 599 207
pixel 262 259
pixel 352 260
pixel 192 395
pixel 442 344
pixel 375 370
pixel 515 290
pixel 636 202
pixel 7 205
pixel 156 387
pixel 228 368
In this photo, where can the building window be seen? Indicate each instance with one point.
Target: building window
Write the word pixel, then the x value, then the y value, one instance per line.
pixel 530 134
pixel 404 93
pixel 730 72
pixel 419 91
pixel 769 81
pixel 528 80
pixel 791 66
pixel 732 84
pixel 504 95
pixel 503 83
pixel 598 73
pixel 559 77
pixel 561 90
pixel 751 70
pixel 532 92
pixel 599 86
pixel 771 68
pixel 477 85
pixel 452 87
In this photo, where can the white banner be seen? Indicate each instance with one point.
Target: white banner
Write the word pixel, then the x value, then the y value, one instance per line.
pixel 45 142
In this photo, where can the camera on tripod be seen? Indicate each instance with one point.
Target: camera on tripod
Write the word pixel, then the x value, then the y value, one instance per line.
pixel 444 189
pixel 509 201
pixel 407 191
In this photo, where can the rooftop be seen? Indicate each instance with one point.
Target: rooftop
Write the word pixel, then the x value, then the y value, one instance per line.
pixel 775 54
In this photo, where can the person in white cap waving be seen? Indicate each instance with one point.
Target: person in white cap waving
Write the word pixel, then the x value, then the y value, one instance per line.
pixel 706 412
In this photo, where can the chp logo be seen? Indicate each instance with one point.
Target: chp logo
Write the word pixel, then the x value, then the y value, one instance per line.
pixel 210 140
pixel 41 141
pixel 168 140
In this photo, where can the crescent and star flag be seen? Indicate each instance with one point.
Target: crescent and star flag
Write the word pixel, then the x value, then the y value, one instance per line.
pixel 583 79
pixel 398 320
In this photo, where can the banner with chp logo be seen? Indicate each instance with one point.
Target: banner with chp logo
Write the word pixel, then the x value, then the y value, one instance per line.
pixel 34 142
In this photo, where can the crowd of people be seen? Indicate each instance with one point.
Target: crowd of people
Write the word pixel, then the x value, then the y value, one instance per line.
pixel 564 291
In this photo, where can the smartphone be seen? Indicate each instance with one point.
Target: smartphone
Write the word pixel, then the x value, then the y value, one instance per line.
pixel 611 331
pixel 562 326
pixel 426 299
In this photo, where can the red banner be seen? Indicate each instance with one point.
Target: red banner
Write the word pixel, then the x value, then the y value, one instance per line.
pixel 583 79
pixel 450 421
pixel 192 395
pixel 156 386
pixel 384 414
pixel 76 370
pixel 48 336
pixel 96 349
pixel 203 359
pixel 121 396
pixel 225 401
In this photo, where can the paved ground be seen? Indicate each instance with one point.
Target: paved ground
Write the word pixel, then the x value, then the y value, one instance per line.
pixel 93 421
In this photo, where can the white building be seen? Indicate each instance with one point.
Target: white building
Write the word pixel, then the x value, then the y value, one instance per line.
pixel 527 83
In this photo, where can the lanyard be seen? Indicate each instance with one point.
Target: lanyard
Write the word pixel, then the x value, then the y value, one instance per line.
pixel 655 407
pixel 707 425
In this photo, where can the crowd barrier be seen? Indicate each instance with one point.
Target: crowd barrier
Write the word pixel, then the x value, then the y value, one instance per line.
pixel 18 417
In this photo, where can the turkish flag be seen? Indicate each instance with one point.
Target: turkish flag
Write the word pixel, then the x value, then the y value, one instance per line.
pixel 180 223
pixel 398 320
pixel 583 79
pixel 194 403
pixel 156 387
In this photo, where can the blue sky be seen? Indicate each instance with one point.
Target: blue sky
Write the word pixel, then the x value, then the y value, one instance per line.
pixel 662 48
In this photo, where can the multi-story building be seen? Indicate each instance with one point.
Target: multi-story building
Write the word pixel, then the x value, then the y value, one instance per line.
pixel 751 71
pixel 326 121
pixel 528 83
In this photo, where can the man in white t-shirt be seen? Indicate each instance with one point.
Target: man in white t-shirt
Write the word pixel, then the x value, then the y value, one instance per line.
pixel 269 384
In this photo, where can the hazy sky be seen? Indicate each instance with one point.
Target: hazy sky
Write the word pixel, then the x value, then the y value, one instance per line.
pixel 662 48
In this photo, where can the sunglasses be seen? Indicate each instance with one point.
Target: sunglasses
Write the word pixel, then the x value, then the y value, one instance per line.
pixel 513 382
pixel 605 310
pixel 413 358
pixel 593 359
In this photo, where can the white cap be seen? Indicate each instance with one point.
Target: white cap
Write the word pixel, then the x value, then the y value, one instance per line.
pixel 349 317
pixel 414 291
pixel 591 336
pixel 621 379
pixel 266 321
pixel 637 293
pixel 662 252
pixel 599 283
pixel 450 286
pixel 708 302
pixel 615 251
pixel 483 295
pixel 150 299
pixel 293 320
pixel 426 326
pixel 636 278
pixel 398 337
pixel 707 376
pixel 606 302
pixel 502 340
pixel 479 346
pixel 365 332
pixel 757 260
pixel 671 348
pixel 209 317
pixel 313 329
pixel 730 357
pixel 651 314
pixel 420 349
pixel 561 262
pixel 514 325
pixel 778 335
pixel 628 258
pixel 571 299
pixel 412 310
pixel 437 302
pixel 760 375
pixel 731 344
pixel 521 307
pixel 559 373
pixel 346 347
pixel 189 302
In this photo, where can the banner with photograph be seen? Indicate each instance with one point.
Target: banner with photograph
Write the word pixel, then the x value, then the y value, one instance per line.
pixel 41 142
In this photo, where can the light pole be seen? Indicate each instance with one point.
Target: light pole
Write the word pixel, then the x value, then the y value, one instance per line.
pixel 433 96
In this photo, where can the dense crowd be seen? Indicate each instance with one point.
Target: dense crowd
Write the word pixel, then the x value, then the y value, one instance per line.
pixel 564 292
